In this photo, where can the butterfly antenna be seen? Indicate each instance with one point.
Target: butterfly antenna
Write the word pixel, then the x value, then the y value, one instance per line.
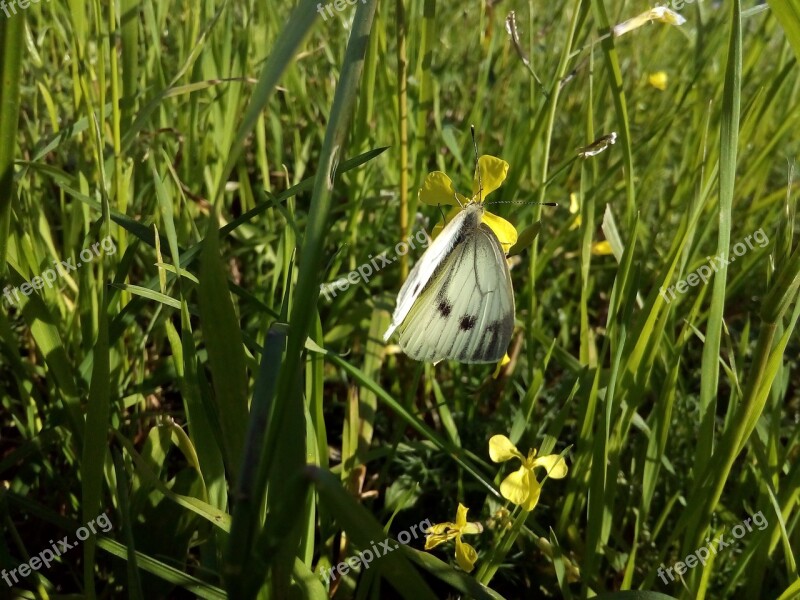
pixel 523 202
pixel 477 169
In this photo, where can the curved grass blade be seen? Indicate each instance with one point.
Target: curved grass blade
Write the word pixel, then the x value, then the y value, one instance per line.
pixel 167 573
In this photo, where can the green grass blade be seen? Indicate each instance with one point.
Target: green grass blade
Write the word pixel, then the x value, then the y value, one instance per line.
pixel 787 12
pixel 11 50
pixel 281 55
pixel 95 445
pixel 226 357
pixel 729 139
pixel 166 572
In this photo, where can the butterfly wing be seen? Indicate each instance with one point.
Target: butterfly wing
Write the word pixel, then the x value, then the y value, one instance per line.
pixel 426 266
pixel 466 313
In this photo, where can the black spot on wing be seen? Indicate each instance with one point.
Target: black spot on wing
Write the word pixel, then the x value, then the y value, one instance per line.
pixel 476 333
pixel 495 339
pixel 490 336
pixel 467 322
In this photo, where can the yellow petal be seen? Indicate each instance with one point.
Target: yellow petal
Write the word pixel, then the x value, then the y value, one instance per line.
pixel 516 487
pixel 492 174
pixel 573 203
pixel 472 528
pixel 658 80
pixel 574 207
pixel 505 231
pixel 439 528
pixel 534 489
pixel 439 534
pixel 554 464
pixel 466 555
pixel 461 517
pixel 666 15
pixel 502 449
pixel 438 189
pixel 431 541
pixel 602 248
pixel 503 362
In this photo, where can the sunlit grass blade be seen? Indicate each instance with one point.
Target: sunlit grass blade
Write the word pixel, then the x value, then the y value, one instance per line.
pixel 11 51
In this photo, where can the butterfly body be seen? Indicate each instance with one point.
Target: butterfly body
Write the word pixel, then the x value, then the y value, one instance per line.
pixel 458 302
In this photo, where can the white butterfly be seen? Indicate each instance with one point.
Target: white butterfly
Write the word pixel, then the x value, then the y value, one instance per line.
pixel 457 302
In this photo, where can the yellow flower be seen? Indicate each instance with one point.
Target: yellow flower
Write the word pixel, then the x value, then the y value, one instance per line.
pixel 522 487
pixel 503 362
pixel 573 209
pixel 658 80
pixel 602 248
pixel 662 14
pixel 466 555
pixel 489 175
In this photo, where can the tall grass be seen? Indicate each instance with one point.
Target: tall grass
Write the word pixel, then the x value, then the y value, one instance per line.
pixel 247 434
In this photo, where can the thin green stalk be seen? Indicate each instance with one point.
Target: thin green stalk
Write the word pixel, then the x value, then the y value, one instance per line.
pixel 489 567
pixel 402 109
pixel 11 44
pixel 620 106
pixel 552 106
pixel 729 139
pixel 425 100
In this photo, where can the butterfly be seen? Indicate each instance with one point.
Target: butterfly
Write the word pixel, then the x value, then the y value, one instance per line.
pixel 458 301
